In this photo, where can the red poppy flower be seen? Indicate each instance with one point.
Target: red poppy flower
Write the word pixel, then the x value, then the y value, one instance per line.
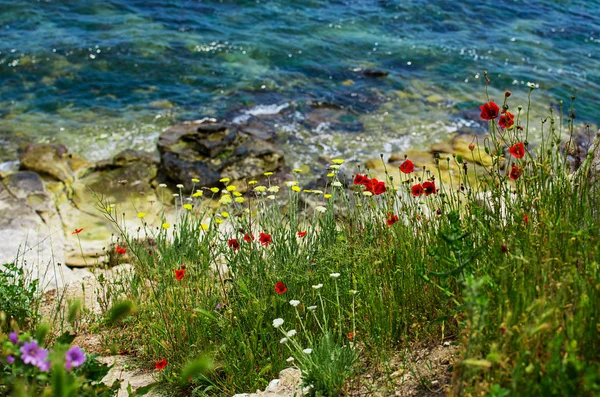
pixel 489 111
pixel 515 172
pixel 407 167
pixel 351 335
pixel 280 287
pixel 417 190
pixel 248 237
pixel 517 150
pixel 429 188
pixel 361 180
pixel 265 239
pixel 233 243
pixel 160 365
pixel 376 187
pixel 120 250
pixel 301 234
pixel 391 219
pixel 77 231
pixel 525 218
pixel 179 273
pixel 507 120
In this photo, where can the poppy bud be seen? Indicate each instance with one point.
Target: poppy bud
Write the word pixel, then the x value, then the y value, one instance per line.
pixel 507 93
pixel 471 146
pixel 503 248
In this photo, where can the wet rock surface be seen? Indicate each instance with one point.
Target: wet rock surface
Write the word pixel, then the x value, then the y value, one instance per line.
pixel 209 151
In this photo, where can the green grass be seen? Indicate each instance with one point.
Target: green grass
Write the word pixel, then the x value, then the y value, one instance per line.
pixel 506 269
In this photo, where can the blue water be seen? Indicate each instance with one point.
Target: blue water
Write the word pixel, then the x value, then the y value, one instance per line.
pixel 101 76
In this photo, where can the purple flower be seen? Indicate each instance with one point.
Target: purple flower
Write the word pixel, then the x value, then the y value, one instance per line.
pixel 42 360
pixel 14 338
pixel 32 353
pixel 10 359
pixel 75 357
pixel 29 352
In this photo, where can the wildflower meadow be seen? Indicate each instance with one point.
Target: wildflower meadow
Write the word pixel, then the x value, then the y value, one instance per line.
pixel 342 281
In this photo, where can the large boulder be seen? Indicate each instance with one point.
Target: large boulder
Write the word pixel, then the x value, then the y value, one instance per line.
pixel 209 151
pixel 48 160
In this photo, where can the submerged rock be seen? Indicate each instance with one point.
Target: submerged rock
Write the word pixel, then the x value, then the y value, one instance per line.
pixel 375 72
pixel 209 151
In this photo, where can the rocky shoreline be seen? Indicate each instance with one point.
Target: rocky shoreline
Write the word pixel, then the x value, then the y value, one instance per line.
pixel 54 193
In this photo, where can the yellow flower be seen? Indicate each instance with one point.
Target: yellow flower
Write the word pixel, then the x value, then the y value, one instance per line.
pixel 307 191
pixel 224 180
pixel 195 180
pixel 231 188
pixel 187 207
pixel 198 193
pixel 218 221
pixel 330 175
pixel 367 193
pixel 317 191
pixel 273 189
pixel 268 174
pixel 166 225
pixel 327 196
pixel 237 194
pixel 225 214
pixel 336 184
pixel 252 182
pixel 334 167
pixel 291 183
pixel 271 197
pixel 320 208
pixel 239 200
pixel 214 189
pixel 141 215
pixel 225 200
pixel 296 188
pixel 338 161
pixel 297 170
pixel 260 189
pixel 204 226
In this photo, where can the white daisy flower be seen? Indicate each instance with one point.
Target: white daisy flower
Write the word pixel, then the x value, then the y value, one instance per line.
pixel 318 286
pixel 283 340
pixel 307 351
pixel 291 333
pixel 290 359
pixel 334 275
pixel 278 322
pixel 294 302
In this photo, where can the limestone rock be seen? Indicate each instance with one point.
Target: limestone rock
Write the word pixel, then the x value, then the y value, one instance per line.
pixel 46 159
pixel 288 385
pixel 29 187
pixel 122 372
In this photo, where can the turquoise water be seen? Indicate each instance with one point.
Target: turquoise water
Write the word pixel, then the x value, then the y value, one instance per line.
pixel 101 76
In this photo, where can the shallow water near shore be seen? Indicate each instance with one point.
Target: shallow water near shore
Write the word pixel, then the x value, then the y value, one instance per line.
pixel 105 76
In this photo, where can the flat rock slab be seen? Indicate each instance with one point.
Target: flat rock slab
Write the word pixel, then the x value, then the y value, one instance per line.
pixel 288 385
pixel 122 372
